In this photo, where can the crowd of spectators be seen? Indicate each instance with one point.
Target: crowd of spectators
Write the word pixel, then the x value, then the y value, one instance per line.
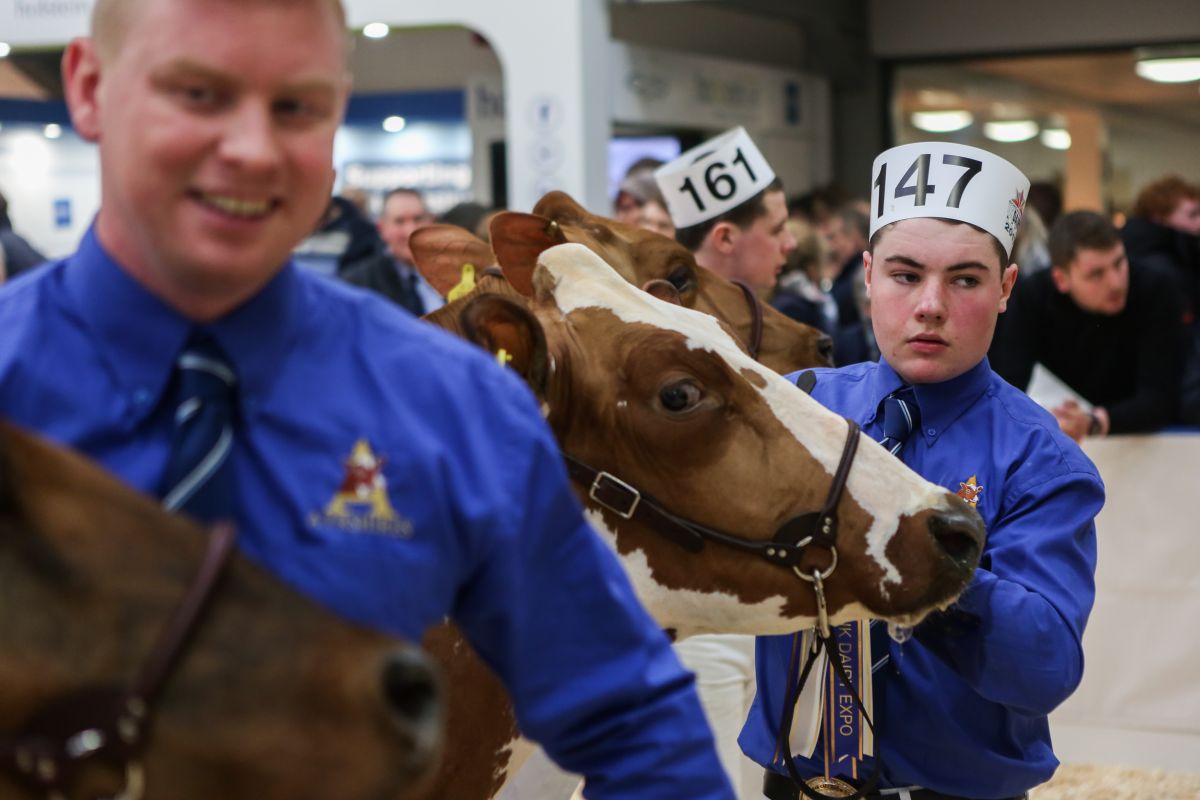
pixel 1111 313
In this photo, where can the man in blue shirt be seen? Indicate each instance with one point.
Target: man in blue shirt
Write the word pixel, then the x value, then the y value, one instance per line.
pixel 961 709
pixel 382 467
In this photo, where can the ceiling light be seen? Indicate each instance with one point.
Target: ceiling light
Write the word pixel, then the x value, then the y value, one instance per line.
pixel 5 49
pixel 942 121
pixel 1056 138
pixel 394 124
pixel 52 131
pixel 1010 130
pixel 1169 70
pixel 376 30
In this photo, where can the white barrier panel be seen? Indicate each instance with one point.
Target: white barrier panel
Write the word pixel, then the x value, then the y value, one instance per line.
pixel 1139 703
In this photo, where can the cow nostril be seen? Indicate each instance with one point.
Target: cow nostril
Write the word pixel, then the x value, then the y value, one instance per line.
pixel 825 349
pixel 410 687
pixel 959 534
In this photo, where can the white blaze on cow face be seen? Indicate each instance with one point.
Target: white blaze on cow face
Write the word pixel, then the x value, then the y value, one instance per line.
pixel 885 488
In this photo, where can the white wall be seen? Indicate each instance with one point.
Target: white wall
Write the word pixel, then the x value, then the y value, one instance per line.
pixel 35 172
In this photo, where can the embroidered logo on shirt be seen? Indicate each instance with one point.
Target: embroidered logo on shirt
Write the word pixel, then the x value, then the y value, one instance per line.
pixel 970 491
pixel 361 503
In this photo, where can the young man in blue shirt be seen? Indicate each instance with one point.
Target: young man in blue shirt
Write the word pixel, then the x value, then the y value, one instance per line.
pixel 960 710
pixel 355 458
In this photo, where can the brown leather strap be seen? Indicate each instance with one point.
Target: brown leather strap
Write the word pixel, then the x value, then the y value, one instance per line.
pixel 786 549
pixel 108 723
pixel 756 319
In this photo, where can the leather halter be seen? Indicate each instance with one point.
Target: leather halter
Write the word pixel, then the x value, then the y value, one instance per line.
pixel 756 319
pixel 786 549
pixel 109 723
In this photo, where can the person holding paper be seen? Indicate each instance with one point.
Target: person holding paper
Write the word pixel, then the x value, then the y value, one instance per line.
pixel 960 709
pixel 1113 333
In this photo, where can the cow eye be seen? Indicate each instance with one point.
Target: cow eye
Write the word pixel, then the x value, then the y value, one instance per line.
pixel 681 278
pixel 679 396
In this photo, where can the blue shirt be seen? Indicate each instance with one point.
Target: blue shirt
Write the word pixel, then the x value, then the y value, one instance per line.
pixel 484 526
pixel 962 708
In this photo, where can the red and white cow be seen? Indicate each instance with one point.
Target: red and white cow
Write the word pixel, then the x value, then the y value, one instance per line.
pixel 667 400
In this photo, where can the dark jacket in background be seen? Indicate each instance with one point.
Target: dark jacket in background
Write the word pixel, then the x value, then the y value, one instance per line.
pixel 1128 363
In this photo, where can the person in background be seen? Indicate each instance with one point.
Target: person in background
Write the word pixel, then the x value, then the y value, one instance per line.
pixel 845 234
pixel 1111 332
pixel 391 272
pixel 798 292
pixel 347 441
pixel 729 209
pixel 647 208
pixel 343 238
pixel 631 193
pixel 960 709
pixel 16 254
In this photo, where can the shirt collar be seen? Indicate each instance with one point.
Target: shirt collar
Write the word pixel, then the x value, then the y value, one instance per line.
pixel 142 335
pixel 940 403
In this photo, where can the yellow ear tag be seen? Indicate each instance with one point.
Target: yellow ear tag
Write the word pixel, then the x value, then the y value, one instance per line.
pixel 465 285
pixel 503 357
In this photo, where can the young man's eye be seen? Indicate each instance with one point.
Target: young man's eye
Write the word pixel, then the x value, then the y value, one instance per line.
pixel 968 281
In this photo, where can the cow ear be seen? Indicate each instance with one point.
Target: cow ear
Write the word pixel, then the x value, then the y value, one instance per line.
pixel 560 206
pixel 663 290
pixel 440 251
pixel 518 239
pixel 509 330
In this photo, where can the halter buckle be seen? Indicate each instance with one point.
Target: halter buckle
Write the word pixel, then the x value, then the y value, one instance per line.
pixel 607 482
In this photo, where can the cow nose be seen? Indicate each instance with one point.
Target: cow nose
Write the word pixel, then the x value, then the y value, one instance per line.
pixel 825 349
pixel 413 695
pixel 959 533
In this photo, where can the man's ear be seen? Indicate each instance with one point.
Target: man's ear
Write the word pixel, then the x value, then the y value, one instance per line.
pixel 867 271
pixel 81 85
pixel 724 236
pixel 1062 281
pixel 1008 279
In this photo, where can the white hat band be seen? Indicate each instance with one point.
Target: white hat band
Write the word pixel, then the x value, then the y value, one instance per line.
pixel 948 181
pixel 713 178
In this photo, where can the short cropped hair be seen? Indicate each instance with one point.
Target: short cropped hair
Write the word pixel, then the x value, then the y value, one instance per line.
pixel 743 216
pixel 1159 199
pixel 111 18
pixel 1079 230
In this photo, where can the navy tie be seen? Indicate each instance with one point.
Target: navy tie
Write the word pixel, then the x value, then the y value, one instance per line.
pixel 900 417
pixel 198 477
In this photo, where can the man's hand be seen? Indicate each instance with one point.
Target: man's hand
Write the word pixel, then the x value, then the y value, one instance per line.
pixel 1078 423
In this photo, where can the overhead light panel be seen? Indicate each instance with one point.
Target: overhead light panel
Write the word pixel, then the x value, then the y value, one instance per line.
pixel 942 121
pixel 394 124
pixel 1056 138
pixel 52 131
pixel 1010 130
pixel 376 30
pixel 1180 69
pixel 5 49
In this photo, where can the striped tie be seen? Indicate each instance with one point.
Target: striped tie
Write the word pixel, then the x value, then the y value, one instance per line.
pixel 900 416
pixel 198 477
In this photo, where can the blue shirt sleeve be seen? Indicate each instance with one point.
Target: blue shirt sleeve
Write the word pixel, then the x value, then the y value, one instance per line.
pixel 1030 598
pixel 552 612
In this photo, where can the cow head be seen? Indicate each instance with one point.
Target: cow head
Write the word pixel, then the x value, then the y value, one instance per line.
pixel 272 697
pixel 638 255
pixel 664 398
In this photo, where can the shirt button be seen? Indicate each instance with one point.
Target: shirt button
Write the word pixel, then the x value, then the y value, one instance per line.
pixel 931 432
pixel 141 397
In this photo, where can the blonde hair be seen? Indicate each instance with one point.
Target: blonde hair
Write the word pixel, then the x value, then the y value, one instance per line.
pixel 110 19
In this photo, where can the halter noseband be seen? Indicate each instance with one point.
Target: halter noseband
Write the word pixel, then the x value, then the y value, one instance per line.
pixel 109 723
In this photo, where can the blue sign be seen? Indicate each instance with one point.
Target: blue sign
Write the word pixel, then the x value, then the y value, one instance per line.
pixel 62 212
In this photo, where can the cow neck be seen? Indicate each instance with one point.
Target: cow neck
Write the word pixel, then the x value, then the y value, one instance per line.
pixel 109 723
pixel 787 548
